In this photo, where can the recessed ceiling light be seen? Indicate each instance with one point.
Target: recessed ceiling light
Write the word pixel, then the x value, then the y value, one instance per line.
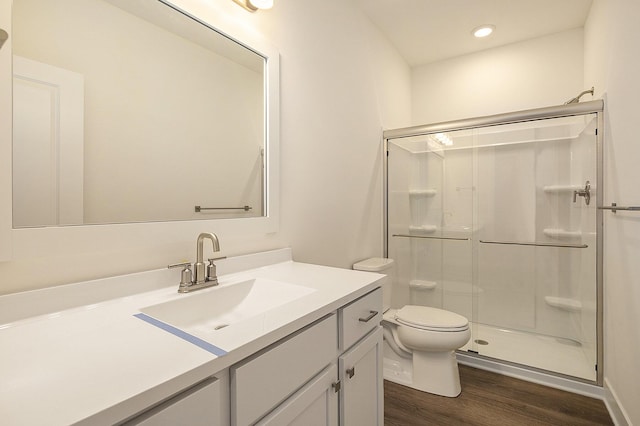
pixel 483 31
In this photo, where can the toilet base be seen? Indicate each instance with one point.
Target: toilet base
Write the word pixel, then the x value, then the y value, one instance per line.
pixel 437 373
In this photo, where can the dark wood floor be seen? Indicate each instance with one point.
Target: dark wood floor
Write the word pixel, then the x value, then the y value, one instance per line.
pixel 491 399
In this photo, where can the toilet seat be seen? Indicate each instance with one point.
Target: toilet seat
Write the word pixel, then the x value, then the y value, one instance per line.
pixel 431 319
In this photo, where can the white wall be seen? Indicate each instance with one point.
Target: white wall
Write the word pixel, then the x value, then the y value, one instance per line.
pixel 612 43
pixel 536 73
pixel 341 83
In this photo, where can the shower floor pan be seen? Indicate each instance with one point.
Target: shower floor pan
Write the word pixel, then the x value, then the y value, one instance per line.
pixel 527 349
pixel 544 352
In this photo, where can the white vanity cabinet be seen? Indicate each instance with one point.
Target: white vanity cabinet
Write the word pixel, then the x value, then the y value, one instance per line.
pixel 311 360
pixel 360 365
pixel 264 381
pixel 327 374
pixel 205 404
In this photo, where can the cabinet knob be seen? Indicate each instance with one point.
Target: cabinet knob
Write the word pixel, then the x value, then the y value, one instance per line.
pixel 351 371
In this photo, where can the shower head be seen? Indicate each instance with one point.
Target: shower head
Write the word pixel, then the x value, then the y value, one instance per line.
pixel 577 98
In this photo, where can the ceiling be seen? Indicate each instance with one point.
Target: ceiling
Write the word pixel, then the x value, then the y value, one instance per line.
pixel 425 31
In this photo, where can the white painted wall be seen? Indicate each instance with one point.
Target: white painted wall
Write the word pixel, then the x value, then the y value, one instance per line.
pixel 612 43
pixel 531 74
pixel 341 83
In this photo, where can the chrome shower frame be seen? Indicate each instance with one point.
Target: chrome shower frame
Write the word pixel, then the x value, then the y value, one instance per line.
pixel 567 110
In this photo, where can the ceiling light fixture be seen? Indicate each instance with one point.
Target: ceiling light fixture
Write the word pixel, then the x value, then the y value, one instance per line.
pixel 253 5
pixel 483 31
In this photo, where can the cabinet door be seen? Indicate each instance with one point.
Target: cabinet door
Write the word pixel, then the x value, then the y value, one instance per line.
pixel 316 404
pixel 361 397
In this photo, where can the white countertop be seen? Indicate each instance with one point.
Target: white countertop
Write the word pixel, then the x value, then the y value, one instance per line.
pixel 98 364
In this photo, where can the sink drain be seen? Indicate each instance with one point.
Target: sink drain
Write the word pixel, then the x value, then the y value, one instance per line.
pixel 481 342
pixel 218 327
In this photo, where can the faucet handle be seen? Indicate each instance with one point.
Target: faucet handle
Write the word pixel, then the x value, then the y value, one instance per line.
pixel 211 270
pixel 186 277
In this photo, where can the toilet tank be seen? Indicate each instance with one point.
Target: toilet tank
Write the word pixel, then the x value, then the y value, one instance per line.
pixel 381 266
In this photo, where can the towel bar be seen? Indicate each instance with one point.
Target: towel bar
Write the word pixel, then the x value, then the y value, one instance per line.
pixel 198 209
pixel 518 243
pixel 430 238
pixel 614 208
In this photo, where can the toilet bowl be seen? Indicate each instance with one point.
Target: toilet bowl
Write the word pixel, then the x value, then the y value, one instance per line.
pixel 427 336
pixel 430 336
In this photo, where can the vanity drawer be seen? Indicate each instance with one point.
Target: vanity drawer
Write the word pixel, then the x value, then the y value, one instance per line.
pixel 262 382
pixel 359 317
pixel 203 405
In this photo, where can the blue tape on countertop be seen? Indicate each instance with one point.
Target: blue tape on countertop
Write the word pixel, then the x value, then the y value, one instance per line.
pixel 183 335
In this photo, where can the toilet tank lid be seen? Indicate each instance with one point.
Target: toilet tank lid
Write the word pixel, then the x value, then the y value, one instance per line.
pixel 430 317
pixel 374 264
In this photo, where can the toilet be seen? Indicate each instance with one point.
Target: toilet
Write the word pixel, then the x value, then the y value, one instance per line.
pixel 426 336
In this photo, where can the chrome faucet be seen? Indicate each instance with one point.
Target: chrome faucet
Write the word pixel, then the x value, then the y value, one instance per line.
pixel 586 193
pixel 202 276
pixel 199 267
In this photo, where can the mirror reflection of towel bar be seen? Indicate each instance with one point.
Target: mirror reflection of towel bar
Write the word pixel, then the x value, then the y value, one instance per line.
pixel 198 209
pixel 614 208
pixel 430 238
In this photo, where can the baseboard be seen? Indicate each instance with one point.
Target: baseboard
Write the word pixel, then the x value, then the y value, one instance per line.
pixel 616 411
pixel 533 376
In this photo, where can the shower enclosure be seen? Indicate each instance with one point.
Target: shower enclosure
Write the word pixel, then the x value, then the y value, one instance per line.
pixel 496 218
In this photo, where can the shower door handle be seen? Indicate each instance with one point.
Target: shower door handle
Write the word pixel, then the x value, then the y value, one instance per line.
pixel 586 193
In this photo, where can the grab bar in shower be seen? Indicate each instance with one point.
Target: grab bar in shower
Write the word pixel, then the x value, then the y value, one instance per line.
pixel 430 238
pixel 198 209
pixel 614 208
pixel 518 243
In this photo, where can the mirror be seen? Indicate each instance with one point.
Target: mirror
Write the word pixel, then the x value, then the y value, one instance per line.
pixel 132 111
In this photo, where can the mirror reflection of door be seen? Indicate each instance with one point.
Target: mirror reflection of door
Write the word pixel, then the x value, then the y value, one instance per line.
pixel 48 145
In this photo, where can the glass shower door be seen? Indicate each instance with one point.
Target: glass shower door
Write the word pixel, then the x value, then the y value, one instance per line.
pixel 534 272
pixel 498 223
pixel 430 220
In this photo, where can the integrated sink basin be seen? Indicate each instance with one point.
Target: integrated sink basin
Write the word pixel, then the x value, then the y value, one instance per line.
pixel 216 308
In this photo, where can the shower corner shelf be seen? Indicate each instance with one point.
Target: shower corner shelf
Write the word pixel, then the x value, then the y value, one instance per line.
pixel 564 303
pixel 422 285
pixel 561 189
pixel 422 192
pixel 561 234
pixel 422 229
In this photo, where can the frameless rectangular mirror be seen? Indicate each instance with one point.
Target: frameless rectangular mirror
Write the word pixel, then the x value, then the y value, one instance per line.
pixel 132 111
